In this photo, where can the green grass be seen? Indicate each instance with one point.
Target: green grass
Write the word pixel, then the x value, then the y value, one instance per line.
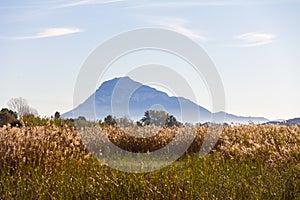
pixel 191 177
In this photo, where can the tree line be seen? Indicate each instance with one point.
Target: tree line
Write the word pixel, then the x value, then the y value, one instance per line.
pixel 20 113
pixel 151 117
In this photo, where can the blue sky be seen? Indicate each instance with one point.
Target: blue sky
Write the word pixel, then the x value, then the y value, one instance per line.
pixel 254 45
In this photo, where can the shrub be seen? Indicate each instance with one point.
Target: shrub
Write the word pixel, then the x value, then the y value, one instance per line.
pixel 8 117
pixel 110 121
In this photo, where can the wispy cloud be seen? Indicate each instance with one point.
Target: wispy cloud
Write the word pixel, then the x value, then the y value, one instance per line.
pixel 255 39
pixel 175 4
pixel 46 33
pixel 178 25
pixel 205 3
pixel 86 2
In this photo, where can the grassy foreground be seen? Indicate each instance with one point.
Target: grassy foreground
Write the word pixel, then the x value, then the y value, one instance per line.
pixel 249 162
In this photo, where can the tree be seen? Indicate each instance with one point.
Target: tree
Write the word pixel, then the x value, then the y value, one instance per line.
pixel 138 123
pixel 82 118
pixel 146 120
pixel 109 120
pixel 56 115
pixel 124 121
pixel 156 117
pixel 8 117
pixel 171 121
pixel 21 106
pixel 81 122
pixel 32 120
pixel 14 114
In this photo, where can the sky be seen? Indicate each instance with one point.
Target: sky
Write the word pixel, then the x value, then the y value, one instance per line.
pixel 253 44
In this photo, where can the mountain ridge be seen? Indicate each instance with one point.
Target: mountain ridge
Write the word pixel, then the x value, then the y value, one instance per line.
pixel 289 122
pixel 112 95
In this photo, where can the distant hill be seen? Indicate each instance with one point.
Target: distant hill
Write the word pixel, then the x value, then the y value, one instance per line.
pixel 230 118
pixel 112 97
pixel 289 122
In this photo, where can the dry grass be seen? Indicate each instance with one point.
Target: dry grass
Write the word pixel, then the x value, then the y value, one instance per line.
pixel 39 145
pixel 251 162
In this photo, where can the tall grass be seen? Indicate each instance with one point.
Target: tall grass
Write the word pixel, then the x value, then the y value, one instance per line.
pixel 248 162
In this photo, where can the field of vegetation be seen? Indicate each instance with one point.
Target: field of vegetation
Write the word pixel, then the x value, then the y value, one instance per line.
pixel 49 161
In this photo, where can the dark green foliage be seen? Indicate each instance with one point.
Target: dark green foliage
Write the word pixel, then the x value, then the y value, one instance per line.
pixel 82 118
pixel 31 120
pixel 8 117
pixel 57 115
pixel 172 121
pixel 159 118
pixel 146 120
pixel 110 121
pixel 13 113
pixel 81 122
pixel 63 122
pixel 154 117
pixel 138 123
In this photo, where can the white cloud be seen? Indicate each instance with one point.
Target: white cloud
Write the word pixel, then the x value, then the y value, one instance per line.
pixel 206 3
pixel 255 39
pixel 86 2
pixel 175 4
pixel 178 25
pixel 50 32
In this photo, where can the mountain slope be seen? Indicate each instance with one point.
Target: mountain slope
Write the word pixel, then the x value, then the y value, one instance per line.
pixel 124 97
pixel 289 122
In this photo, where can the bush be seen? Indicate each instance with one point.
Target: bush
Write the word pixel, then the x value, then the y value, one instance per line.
pixel 8 117
pixel 31 120
pixel 110 121
pixel 159 118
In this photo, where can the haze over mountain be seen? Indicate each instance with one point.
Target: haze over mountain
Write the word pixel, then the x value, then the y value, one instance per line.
pixel 125 97
pixel 289 122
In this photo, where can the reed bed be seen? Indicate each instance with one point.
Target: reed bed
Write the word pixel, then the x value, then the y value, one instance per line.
pixel 247 162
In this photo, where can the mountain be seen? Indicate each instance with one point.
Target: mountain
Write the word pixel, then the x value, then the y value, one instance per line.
pixel 230 118
pixel 289 122
pixel 125 97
